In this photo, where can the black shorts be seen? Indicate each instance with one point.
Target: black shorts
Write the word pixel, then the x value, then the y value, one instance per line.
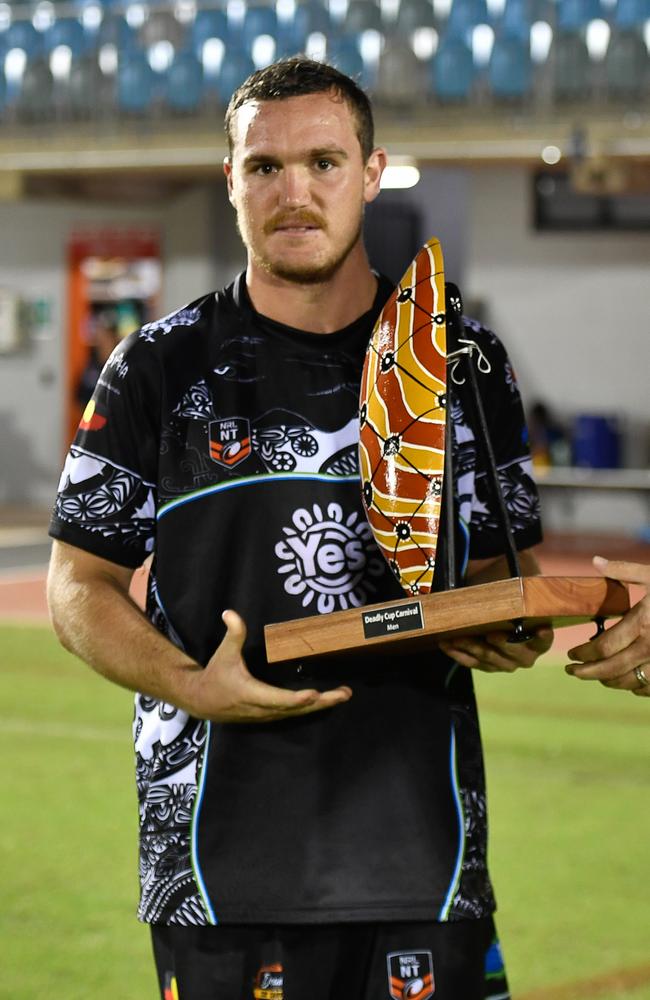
pixel 403 961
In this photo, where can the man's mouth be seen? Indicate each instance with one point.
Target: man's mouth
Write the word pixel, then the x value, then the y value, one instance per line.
pixel 297 225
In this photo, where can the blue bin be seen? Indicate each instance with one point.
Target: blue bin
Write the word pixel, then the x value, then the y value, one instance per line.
pixel 596 441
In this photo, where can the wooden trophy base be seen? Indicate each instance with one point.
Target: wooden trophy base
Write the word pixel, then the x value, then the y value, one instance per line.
pixel 419 622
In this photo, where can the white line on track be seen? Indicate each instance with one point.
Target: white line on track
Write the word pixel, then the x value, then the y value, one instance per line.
pixel 64 731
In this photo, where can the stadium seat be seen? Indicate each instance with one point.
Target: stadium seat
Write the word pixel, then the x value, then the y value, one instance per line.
pixel 236 66
pixel 571 67
pixel 627 66
pixel 23 35
pixel 413 14
pixel 258 21
pixel 465 15
pixel 115 30
pixel 510 70
pixel 88 93
pixel 362 15
pixel 343 52
pixel 137 84
pixel 575 14
pixel 308 18
pixel 184 84
pixel 631 13
pixel 452 71
pixel 208 24
pixel 67 31
pixel 516 19
pixel 161 26
pixel 34 101
pixel 401 77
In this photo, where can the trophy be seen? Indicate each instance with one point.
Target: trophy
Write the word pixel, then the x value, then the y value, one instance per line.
pixel 419 352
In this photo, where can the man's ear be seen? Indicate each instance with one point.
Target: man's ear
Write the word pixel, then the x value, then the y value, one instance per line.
pixel 372 174
pixel 227 169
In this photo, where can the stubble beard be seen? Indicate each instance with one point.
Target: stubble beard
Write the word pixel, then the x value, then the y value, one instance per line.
pixel 303 274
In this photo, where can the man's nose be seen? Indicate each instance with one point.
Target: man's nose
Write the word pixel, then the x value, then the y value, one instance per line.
pixel 294 191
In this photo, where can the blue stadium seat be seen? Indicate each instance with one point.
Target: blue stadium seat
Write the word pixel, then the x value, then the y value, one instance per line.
pixel 575 14
pixel 631 13
pixel 184 84
pixel 516 19
pixel 343 52
pixel 23 35
pixel 258 21
pixel 67 31
pixel 208 24
pixel 137 84
pixel 236 66
pixel 308 18
pixel 452 71
pixel 510 69
pixel 465 15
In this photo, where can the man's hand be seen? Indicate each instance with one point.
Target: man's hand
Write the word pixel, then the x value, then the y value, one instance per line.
pixel 226 691
pixel 620 657
pixel 493 652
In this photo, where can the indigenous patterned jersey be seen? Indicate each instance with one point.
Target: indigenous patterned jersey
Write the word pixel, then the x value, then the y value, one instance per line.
pixel 225 445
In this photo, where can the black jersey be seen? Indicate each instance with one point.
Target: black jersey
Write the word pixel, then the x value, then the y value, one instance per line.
pixel 226 445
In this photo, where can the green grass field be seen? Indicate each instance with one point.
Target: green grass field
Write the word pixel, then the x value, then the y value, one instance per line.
pixel 569 796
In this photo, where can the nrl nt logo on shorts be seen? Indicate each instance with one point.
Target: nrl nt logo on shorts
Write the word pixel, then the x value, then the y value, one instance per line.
pixel 410 975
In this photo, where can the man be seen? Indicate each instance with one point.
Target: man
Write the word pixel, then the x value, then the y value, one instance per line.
pixel 620 657
pixel 335 845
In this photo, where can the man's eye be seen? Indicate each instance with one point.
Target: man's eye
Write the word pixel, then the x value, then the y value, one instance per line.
pixel 324 165
pixel 266 168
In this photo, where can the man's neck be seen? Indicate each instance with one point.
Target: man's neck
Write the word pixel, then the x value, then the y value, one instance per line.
pixel 317 308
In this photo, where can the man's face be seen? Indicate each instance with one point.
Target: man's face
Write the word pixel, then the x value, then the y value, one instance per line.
pixel 299 184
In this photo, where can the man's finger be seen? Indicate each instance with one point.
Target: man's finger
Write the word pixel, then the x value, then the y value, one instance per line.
pixel 626 572
pixel 235 636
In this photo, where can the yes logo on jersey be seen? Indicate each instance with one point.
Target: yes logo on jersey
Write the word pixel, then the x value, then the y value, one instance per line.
pixel 230 441
pixel 410 975
pixel 269 983
pixel 329 558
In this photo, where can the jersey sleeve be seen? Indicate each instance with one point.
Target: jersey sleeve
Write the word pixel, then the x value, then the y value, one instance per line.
pixel 106 501
pixel 509 438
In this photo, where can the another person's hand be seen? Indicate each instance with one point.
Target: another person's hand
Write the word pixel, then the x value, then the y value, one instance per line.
pixel 494 653
pixel 620 657
pixel 226 691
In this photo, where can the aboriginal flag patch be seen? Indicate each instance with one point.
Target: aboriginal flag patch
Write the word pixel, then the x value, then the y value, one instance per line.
pixel 171 989
pixel 410 975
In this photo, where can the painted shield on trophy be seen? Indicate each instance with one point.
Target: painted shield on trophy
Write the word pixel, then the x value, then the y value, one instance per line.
pixel 402 421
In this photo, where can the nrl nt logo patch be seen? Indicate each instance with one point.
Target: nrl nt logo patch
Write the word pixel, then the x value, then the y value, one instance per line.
pixel 410 975
pixel 230 441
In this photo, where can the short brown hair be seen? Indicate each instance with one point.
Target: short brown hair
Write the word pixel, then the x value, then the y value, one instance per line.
pixel 296 76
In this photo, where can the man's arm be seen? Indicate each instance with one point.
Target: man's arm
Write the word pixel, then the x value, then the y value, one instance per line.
pixel 494 652
pixel 620 657
pixel 95 618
